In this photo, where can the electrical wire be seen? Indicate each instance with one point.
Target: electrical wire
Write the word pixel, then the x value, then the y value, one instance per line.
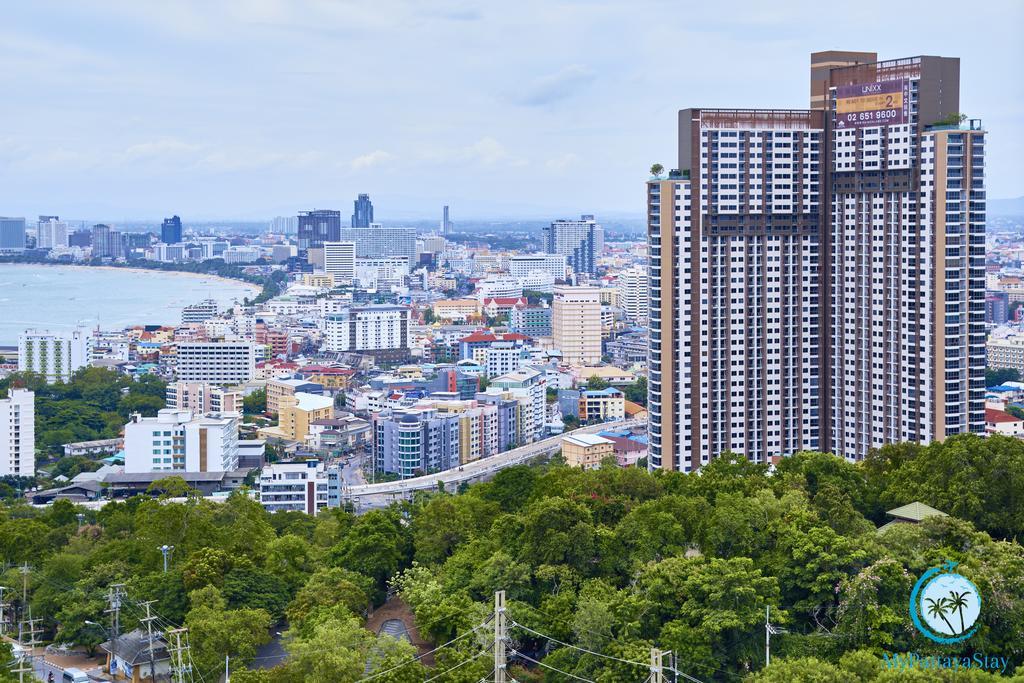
pixel 421 656
pixel 548 666
pixel 581 649
pixel 462 663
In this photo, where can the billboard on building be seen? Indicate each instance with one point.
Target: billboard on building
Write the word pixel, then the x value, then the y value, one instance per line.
pixel 873 104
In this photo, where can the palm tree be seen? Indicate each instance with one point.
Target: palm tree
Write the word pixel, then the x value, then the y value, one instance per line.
pixel 957 601
pixel 937 608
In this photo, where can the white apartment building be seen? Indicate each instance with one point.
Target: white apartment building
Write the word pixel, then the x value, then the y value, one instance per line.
pixel 55 355
pixel 340 260
pixel 1006 352
pixel 576 324
pixel 175 440
pixel 379 272
pixel 298 486
pixel 51 233
pixel 18 434
pixel 381 330
pixel 522 265
pixel 499 287
pixel 222 363
pixel 200 311
pixel 501 358
pixel 634 293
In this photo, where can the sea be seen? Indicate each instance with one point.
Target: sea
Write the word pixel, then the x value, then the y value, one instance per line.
pixel 60 298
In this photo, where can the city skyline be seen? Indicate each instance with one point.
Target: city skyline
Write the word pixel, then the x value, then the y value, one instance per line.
pixel 213 125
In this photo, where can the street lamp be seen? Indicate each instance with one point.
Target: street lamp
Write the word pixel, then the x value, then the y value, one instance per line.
pixel 166 550
pixel 81 519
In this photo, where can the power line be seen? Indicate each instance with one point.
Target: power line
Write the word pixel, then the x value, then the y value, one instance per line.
pixel 548 666
pixel 581 649
pixel 421 656
pixel 478 655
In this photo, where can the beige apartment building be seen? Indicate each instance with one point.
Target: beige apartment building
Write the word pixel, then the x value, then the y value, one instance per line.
pixel 576 324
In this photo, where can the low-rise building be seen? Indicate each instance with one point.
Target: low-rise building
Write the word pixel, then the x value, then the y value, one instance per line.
pixel 91 449
pixel 602 405
pixel 279 388
pixel 1001 422
pixel 1006 352
pixel 296 413
pixel 176 441
pixel 297 486
pixel 586 450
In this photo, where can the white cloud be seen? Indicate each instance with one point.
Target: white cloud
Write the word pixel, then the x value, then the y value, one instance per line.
pixel 560 163
pixel 374 158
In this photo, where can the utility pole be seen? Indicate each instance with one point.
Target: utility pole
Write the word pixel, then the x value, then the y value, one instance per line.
pixel 3 611
pixel 179 669
pixel 27 664
pixel 149 630
pixel 500 635
pixel 769 631
pixel 767 637
pixel 657 670
pixel 24 589
pixel 114 596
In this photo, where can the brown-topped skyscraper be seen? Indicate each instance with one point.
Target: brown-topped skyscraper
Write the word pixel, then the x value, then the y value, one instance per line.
pixel 817 276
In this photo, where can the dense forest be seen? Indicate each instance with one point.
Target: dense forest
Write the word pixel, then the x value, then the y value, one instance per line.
pixel 613 561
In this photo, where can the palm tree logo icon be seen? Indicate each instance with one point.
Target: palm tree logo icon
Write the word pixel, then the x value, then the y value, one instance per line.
pixel 945 605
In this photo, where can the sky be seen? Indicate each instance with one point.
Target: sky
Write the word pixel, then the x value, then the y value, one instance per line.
pixel 249 109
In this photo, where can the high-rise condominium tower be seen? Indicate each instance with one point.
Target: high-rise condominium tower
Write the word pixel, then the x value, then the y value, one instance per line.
pixel 817 276
pixel 581 242
pixel 362 213
pixel 318 226
pixel 170 230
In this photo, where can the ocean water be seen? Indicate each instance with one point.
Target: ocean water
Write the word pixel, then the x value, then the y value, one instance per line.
pixel 59 298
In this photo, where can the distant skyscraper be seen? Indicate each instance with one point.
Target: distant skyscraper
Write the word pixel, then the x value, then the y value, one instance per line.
pixel 12 234
pixel 362 215
pixel 106 243
pixel 376 241
pixel 51 233
pixel 580 241
pixel 286 225
pixel 340 260
pixel 446 224
pixel 318 226
pixel 635 293
pixel 80 238
pixel 170 231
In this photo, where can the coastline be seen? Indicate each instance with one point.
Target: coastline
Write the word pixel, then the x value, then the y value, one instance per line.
pixel 256 289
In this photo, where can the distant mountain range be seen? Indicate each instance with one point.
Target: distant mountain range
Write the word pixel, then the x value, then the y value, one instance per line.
pixel 1006 207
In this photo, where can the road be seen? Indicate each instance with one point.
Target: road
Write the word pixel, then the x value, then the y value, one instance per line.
pixel 372 496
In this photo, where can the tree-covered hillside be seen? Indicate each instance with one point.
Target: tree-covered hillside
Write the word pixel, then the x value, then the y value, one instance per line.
pixel 613 561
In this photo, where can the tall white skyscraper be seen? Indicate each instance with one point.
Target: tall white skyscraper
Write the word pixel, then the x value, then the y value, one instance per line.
pixel 18 434
pixel 51 233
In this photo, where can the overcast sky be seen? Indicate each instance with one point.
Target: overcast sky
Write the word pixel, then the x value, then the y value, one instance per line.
pixel 252 108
